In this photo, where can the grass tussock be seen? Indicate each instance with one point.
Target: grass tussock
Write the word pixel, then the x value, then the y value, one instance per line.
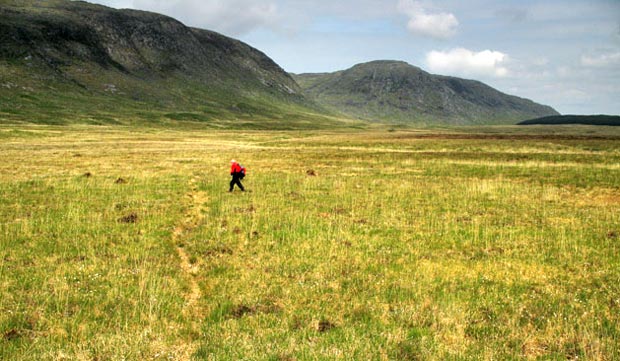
pixel 407 245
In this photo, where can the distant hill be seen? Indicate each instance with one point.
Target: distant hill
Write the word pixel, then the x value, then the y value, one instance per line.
pixel 612 120
pixel 67 61
pixel 398 92
pixel 70 61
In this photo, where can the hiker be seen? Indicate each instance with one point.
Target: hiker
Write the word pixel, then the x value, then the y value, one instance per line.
pixel 237 171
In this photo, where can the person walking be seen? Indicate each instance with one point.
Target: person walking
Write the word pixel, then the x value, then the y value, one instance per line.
pixel 237 172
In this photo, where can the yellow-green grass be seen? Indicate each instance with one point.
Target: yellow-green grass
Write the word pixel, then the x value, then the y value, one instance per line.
pixel 482 243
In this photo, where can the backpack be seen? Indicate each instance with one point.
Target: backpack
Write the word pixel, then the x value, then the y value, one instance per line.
pixel 241 171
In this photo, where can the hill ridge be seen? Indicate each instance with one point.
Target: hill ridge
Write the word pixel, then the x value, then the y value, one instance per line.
pixel 397 91
pixel 67 61
pixel 63 60
pixel 600 119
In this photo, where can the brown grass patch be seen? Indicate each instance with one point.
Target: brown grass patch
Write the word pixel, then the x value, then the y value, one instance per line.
pixel 325 325
pixel 12 334
pixel 130 218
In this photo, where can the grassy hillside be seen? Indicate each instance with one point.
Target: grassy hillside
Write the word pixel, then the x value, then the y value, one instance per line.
pixel 610 120
pixel 489 243
pixel 57 102
pixel 395 91
pixel 63 61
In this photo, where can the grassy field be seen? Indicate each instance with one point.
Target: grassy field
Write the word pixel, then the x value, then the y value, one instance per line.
pixel 487 243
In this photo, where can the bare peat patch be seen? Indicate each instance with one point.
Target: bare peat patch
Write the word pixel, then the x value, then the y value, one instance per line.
pixel 130 218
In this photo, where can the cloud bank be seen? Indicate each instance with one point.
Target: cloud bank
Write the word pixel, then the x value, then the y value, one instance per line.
pixel 464 62
pixel 232 17
pixel 602 60
pixel 422 22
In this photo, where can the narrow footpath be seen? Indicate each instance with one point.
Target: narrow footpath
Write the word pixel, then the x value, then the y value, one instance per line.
pixel 192 218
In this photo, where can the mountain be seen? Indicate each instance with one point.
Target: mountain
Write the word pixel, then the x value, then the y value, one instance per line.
pixel 610 120
pixel 70 61
pixel 67 61
pixel 398 92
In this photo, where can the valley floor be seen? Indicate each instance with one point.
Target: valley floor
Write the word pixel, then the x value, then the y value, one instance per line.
pixel 463 243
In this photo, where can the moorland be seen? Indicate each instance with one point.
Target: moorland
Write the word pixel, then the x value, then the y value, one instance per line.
pixel 441 243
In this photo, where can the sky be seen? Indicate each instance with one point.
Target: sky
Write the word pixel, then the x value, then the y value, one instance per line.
pixel 562 53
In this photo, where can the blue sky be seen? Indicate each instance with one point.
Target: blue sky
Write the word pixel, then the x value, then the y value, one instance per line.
pixel 564 53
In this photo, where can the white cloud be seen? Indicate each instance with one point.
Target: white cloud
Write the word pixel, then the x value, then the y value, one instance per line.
pixel 602 60
pixel 513 15
pixel 565 71
pixel 465 62
pixel 119 4
pixel 232 17
pixel 540 61
pixel 437 25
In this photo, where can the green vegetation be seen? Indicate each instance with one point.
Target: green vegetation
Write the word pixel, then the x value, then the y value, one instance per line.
pixel 486 243
pixel 69 62
pixel 609 120
pixel 119 240
pixel 398 92
pixel 193 105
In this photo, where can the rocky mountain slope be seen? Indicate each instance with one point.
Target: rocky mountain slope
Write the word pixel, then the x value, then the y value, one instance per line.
pixel 67 61
pixel 397 91
pixel 62 61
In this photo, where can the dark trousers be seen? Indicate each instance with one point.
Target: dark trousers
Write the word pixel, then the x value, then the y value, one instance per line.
pixel 236 179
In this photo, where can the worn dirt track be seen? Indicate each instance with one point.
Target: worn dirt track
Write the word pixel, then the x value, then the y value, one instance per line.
pixel 192 218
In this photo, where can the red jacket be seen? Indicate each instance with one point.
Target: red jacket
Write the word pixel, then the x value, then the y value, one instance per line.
pixel 235 168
